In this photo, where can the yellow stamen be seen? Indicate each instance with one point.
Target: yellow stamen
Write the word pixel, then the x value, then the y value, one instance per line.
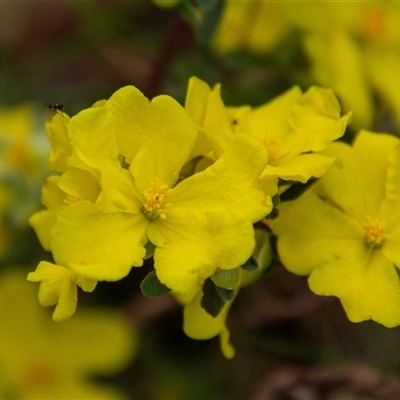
pixel 154 197
pixel 374 231
pixel 69 200
pixel 37 374
pixel 373 25
pixel 17 155
pixel 272 145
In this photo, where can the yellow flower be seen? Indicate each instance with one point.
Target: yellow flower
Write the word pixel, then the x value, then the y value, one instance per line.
pixel 257 26
pixel 23 151
pixel 345 232
pixel 338 62
pixel 122 190
pixel 60 148
pixel 212 119
pixel 43 360
pixel 294 128
pixel 352 48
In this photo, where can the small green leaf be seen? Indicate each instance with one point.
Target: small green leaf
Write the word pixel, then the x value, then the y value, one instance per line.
pixel 211 302
pixel 228 279
pixel 296 190
pixel 188 12
pixel 251 264
pixel 225 294
pixel 149 250
pixel 206 4
pixel 152 287
pixel 274 214
pixel 276 200
pixel 212 16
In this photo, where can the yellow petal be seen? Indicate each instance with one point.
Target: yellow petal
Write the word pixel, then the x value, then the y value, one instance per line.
pixel 301 169
pixel 192 244
pixel 316 120
pixel 390 210
pixel 155 137
pixel 363 167
pixel 271 119
pixel 217 123
pixel 94 146
pixel 96 330
pixel 80 184
pixel 254 26
pixel 373 151
pixel 99 246
pixel 338 63
pixel 383 65
pixel 43 221
pixel 367 289
pixel 311 232
pixel 200 325
pixel 58 287
pixel 57 134
pixel 196 99
pixel 230 183
pixel 44 360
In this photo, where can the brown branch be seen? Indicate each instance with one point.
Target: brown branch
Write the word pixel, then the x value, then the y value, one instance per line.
pixel 176 39
pixel 318 383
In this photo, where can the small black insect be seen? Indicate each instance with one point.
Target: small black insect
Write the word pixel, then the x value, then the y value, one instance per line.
pixel 54 106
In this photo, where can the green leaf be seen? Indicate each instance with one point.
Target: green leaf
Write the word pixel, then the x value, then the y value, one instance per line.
pixel 296 190
pixel 228 279
pixel 152 287
pixel 149 250
pixel 212 15
pixel 274 214
pixel 251 264
pixel 205 4
pixel 188 12
pixel 225 294
pixel 276 200
pixel 211 302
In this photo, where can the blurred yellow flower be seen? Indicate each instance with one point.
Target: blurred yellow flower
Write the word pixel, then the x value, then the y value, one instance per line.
pixel 254 25
pixel 353 47
pixel 23 153
pixel 40 359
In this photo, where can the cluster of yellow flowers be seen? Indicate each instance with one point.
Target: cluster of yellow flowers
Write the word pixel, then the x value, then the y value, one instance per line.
pixel 184 185
pixel 23 157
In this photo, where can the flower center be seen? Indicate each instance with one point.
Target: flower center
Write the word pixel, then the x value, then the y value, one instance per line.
pixel 17 155
pixel 154 197
pixel 69 200
pixel 374 24
pixel 272 146
pixel 38 374
pixel 374 231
